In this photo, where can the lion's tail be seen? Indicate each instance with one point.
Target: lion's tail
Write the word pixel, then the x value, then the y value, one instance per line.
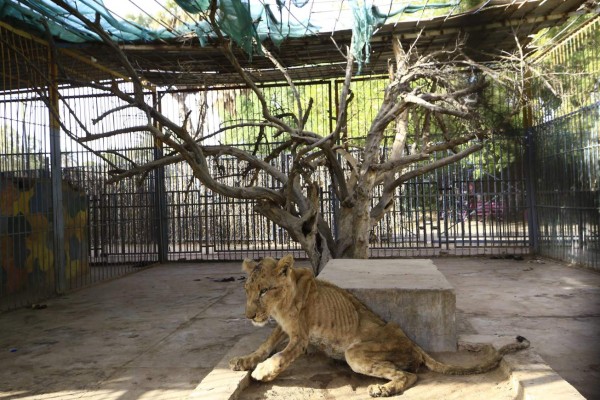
pixel 492 361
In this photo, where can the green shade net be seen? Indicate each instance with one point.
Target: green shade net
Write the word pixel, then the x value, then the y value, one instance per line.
pixel 37 14
pixel 367 17
pixel 250 22
pixel 246 22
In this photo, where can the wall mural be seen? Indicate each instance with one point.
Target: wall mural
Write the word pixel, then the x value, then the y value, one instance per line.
pixel 26 234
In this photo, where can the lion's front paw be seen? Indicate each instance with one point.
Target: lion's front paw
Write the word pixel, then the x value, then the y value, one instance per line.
pixel 266 371
pixel 242 363
pixel 379 391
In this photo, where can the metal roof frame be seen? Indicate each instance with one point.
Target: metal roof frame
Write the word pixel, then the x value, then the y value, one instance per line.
pixel 488 29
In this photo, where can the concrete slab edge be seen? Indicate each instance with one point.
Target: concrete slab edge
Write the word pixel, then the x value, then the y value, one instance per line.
pixel 222 383
pixel 530 376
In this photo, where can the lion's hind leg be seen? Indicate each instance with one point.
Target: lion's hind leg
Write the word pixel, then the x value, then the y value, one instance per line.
pixel 373 359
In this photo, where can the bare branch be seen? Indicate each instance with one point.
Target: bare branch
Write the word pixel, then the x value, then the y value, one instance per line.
pixel 119 175
pixel 451 143
pixel 288 79
pixel 344 98
pixel 226 47
pixel 398 163
pixel 90 137
pixel 379 210
pixel 420 101
pixel 434 165
pixel 111 111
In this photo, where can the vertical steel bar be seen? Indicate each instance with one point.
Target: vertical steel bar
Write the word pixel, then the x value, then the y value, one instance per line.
pixel 530 173
pixel 531 198
pixel 160 195
pixel 58 222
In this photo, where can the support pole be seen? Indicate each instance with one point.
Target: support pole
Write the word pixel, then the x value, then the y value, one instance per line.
pixel 160 196
pixel 58 222
pixel 530 170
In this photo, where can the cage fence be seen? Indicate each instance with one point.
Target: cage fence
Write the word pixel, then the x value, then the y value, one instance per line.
pixel 567 171
pixel 122 219
pixel 481 205
pixel 26 251
pixel 565 145
pixel 41 254
pixel 475 207
pixel 572 67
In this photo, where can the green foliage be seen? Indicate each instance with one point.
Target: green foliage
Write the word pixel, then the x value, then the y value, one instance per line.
pixel 549 37
pixel 18 150
pixel 574 64
pixel 497 107
pixel 368 96
pixel 172 17
pixel 453 7
pixel 239 106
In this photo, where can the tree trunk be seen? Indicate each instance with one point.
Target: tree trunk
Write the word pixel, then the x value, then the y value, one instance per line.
pixel 354 228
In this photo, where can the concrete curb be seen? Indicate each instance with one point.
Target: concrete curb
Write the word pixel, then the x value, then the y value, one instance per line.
pixel 224 384
pixel 530 376
pixel 533 379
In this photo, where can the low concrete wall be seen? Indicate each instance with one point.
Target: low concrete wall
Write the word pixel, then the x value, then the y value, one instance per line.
pixel 410 292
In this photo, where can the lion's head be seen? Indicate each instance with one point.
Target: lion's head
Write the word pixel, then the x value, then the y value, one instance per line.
pixel 268 284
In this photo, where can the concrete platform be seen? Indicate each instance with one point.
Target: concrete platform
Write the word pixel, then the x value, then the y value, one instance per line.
pixel 410 292
pixel 530 378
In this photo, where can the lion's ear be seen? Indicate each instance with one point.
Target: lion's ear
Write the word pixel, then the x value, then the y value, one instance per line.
pixel 248 266
pixel 285 264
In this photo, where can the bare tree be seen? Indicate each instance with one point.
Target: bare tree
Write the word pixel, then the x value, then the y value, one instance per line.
pixel 431 104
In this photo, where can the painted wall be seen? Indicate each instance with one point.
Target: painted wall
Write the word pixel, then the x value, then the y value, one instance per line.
pixel 26 244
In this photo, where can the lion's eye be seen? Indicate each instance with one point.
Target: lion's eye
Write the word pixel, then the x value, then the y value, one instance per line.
pixel 263 291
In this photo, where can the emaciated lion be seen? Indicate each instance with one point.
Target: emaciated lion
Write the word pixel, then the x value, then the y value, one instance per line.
pixel 311 311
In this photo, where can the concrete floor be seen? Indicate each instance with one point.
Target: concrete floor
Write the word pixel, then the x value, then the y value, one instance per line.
pixel 157 333
pixel 555 306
